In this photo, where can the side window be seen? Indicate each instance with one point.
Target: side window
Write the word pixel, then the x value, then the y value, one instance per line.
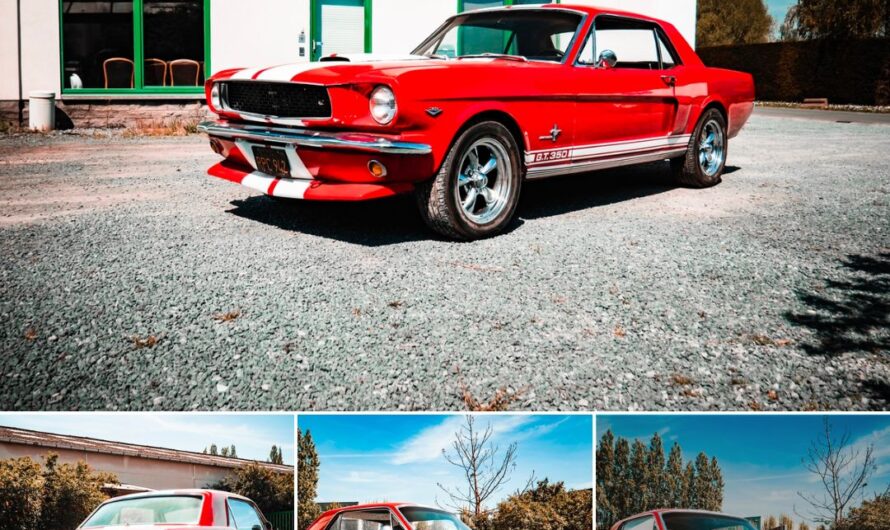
pixel 364 520
pixel 643 523
pixel 635 48
pixel 244 515
pixel 668 57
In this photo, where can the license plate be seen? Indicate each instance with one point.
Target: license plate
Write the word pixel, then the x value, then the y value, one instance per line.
pixel 271 161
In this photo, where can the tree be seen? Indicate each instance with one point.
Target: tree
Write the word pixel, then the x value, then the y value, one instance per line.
pixel 770 523
pixel 872 515
pixel 722 23
pixel 485 468
pixel 605 479
pixel 843 472
pixel 70 493
pixel 803 526
pixel 674 477
pixel 213 450
pixel 271 491
pixel 786 521
pixel 836 19
pixel 656 473
pixel 275 456
pixel 548 506
pixel 633 478
pixel 21 493
pixel 307 480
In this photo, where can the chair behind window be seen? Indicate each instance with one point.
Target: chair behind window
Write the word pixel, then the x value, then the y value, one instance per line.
pixel 155 72
pixel 184 72
pixel 118 72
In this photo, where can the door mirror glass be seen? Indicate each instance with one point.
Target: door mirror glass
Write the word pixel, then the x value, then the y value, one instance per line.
pixel 607 59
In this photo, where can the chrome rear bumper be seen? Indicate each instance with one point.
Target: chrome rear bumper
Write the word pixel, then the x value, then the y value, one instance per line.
pixel 308 138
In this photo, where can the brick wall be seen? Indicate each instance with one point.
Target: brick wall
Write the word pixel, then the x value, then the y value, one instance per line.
pixel 114 113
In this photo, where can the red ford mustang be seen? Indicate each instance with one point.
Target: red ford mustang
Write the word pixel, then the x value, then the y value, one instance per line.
pixel 387 516
pixel 492 98
pixel 683 520
pixel 178 510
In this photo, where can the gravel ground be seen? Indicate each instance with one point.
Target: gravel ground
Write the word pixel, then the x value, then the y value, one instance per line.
pixel 130 280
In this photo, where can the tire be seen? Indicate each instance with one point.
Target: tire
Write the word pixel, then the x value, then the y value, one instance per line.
pixel 483 202
pixel 698 169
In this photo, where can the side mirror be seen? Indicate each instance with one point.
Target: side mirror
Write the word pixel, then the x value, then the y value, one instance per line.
pixel 607 59
pixel 256 527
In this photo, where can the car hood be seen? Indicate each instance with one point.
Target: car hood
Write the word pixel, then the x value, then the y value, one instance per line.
pixel 157 527
pixel 368 68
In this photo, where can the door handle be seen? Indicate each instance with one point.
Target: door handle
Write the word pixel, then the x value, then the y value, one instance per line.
pixel 669 80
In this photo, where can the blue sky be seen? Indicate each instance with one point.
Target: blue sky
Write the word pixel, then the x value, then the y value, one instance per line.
pixel 760 454
pixel 253 435
pixel 399 457
pixel 779 8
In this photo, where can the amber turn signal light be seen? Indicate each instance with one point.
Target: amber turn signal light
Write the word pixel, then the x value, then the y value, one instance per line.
pixel 377 169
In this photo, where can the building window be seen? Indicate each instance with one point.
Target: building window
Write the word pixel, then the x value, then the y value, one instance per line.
pixel 134 46
pixel 173 32
pixel 98 44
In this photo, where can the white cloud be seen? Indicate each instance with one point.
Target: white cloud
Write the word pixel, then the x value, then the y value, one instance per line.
pixel 428 444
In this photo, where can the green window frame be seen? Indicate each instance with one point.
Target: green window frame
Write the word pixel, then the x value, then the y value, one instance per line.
pixel 460 3
pixel 315 24
pixel 138 58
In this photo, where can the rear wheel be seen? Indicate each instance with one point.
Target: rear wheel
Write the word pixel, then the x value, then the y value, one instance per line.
pixel 705 159
pixel 476 191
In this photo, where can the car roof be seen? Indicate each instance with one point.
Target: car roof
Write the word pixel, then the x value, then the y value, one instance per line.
pixel 582 9
pixel 679 510
pixel 390 505
pixel 181 492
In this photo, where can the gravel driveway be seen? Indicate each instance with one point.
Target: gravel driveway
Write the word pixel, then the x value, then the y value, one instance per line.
pixel 130 280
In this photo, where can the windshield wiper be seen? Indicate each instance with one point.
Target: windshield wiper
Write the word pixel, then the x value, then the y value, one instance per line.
pixel 505 56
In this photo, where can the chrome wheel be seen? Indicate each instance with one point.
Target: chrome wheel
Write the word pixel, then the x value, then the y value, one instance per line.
pixel 482 187
pixel 711 148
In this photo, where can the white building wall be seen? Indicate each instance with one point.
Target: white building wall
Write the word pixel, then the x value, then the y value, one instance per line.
pixel 680 13
pixel 257 32
pixel 41 61
pixel 398 26
pixel 262 32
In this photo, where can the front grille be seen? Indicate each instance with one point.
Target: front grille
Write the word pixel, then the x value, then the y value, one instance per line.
pixel 282 100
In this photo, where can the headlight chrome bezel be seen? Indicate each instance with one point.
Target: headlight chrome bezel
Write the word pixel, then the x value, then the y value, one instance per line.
pixel 382 104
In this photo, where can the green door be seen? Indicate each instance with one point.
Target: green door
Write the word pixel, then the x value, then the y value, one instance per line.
pixel 340 26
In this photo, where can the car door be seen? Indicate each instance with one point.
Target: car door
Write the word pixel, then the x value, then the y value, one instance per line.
pixel 245 516
pixel 626 107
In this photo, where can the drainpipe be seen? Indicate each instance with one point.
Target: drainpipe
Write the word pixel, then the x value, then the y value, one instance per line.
pixel 18 15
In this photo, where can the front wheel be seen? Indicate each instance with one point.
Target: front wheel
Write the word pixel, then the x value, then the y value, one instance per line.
pixel 476 191
pixel 705 159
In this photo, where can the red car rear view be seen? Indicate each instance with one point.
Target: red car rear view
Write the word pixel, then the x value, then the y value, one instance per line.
pixel 388 516
pixel 178 510
pixel 683 520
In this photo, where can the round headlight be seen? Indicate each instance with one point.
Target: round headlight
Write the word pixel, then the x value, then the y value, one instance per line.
pixel 383 105
pixel 215 100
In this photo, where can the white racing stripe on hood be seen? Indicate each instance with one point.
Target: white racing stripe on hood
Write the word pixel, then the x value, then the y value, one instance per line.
pixel 289 71
pixel 246 74
pixel 374 57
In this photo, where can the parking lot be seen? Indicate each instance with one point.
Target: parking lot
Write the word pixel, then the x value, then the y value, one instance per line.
pixel 130 280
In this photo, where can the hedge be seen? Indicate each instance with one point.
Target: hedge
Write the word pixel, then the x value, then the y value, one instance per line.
pixel 846 72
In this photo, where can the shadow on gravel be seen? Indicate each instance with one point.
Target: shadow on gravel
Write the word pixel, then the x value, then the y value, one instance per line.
pixel 373 223
pixel 852 314
pixel 395 220
pixel 560 195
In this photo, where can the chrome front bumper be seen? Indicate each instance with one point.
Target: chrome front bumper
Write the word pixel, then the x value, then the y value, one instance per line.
pixel 307 138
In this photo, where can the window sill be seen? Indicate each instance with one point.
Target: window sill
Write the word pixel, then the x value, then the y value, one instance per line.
pixel 154 96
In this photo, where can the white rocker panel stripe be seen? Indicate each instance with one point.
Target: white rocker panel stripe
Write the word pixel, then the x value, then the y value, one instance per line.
pixel 584 152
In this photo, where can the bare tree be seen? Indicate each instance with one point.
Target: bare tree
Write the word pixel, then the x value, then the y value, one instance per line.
pixel 485 467
pixel 843 471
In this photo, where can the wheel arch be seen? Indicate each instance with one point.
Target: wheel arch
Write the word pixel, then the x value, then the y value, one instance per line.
pixel 495 115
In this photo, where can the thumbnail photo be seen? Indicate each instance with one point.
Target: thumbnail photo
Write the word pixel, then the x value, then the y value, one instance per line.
pixel 146 472
pixel 743 472
pixel 445 472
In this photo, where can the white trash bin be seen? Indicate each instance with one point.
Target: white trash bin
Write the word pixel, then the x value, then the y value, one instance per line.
pixel 42 110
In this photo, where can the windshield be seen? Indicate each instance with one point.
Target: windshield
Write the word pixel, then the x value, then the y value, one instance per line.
pixel 429 519
pixel 147 510
pixel 535 35
pixel 703 521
